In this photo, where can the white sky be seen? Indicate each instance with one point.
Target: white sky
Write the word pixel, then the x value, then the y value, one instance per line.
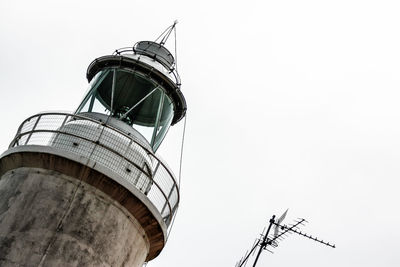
pixel 291 104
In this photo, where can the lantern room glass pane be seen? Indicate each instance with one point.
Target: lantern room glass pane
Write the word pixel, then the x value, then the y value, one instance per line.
pixel 165 121
pixel 132 98
pixel 93 102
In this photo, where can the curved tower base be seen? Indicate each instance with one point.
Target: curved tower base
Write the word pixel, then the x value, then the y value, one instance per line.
pixel 50 219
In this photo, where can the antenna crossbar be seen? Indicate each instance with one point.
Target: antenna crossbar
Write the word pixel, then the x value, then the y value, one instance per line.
pixel 305 235
pixel 286 229
pixel 266 240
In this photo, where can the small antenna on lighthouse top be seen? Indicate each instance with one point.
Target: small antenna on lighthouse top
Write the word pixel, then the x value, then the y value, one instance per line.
pixel 166 33
pixel 166 36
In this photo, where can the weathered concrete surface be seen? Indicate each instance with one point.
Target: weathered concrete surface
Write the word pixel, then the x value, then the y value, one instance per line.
pixel 51 219
pixel 134 202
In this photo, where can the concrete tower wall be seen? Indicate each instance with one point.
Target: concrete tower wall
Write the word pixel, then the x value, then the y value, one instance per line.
pixel 87 189
pixel 51 219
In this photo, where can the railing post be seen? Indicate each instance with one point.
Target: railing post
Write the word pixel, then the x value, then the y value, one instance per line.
pixel 167 200
pixel 62 125
pixel 34 127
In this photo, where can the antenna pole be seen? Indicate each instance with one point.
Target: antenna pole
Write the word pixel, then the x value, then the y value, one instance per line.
pixel 244 260
pixel 265 240
pixel 280 231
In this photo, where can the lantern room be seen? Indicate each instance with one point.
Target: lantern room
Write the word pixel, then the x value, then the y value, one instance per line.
pixel 136 90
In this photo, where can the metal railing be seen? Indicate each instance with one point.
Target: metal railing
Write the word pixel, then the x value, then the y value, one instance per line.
pixel 109 147
pixel 131 50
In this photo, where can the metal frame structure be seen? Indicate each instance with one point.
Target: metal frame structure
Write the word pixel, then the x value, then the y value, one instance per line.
pixel 272 240
pixel 45 128
pixel 129 58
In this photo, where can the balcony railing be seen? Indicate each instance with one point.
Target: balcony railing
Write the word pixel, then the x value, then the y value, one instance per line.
pixel 109 147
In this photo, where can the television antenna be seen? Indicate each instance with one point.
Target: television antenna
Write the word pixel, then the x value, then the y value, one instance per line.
pixel 269 241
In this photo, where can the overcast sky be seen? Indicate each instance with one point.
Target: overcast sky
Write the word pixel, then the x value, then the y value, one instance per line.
pixel 291 104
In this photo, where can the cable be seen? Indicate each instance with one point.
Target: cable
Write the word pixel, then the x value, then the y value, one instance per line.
pixel 181 159
pixel 163 33
pixel 166 36
pixel 176 53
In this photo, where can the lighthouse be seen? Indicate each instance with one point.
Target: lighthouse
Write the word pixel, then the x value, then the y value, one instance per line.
pixel 87 188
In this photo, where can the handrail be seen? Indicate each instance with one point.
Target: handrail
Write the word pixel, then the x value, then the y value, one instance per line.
pixel 130 50
pixel 158 178
pixel 102 124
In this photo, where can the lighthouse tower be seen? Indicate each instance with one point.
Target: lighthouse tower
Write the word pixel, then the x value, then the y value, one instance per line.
pixel 87 188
